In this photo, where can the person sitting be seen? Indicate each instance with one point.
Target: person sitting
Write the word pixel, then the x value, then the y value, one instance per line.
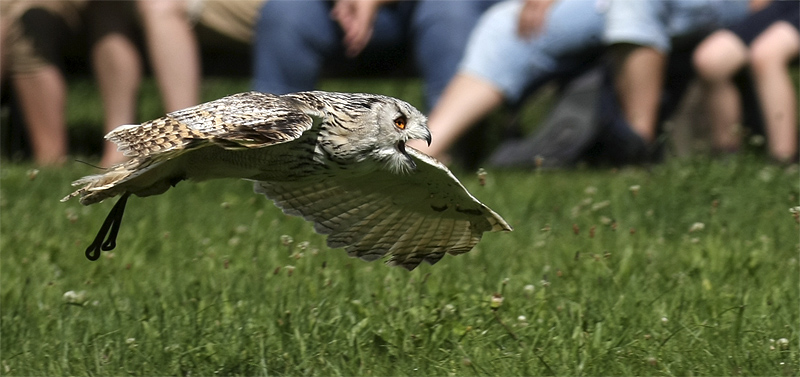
pixel 767 41
pixel 296 39
pixel 516 47
pixel 640 35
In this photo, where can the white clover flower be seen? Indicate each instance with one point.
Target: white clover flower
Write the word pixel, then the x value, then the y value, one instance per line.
pixel 32 174
pixel 482 176
pixel 286 240
pixel 782 343
pixel 522 318
pixel 634 189
pixel 72 215
pixel 600 205
pixel 72 297
pixel 131 342
pixel 529 288
pixel 497 301
pixel 766 174
pixel 664 320
pixel 757 140
pixel 696 227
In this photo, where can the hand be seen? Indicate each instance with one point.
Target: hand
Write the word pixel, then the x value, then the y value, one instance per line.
pixel 757 5
pixel 532 18
pixel 357 18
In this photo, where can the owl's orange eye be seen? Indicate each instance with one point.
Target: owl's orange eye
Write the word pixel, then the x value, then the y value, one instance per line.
pixel 400 122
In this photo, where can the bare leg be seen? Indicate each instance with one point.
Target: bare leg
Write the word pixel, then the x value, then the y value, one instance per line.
pixel 42 97
pixel 118 69
pixel 465 100
pixel 718 58
pixel 173 51
pixel 639 78
pixel 770 54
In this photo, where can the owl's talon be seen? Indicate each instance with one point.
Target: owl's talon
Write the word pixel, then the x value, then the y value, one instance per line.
pixel 110 227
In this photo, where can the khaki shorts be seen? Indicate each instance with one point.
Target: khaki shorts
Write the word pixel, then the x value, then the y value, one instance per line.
pixel 233 19
pixel 22 53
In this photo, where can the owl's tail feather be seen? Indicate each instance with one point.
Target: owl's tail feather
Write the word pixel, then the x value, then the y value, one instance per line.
pixel 98 187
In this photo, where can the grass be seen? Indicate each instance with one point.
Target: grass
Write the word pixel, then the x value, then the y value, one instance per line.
pixel 687 268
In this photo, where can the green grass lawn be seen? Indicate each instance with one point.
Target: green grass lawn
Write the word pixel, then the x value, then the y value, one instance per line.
pixel 687 268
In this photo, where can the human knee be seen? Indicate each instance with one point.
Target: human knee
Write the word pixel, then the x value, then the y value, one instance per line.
pixel 776 47
pixel 720 56
pixel 707 63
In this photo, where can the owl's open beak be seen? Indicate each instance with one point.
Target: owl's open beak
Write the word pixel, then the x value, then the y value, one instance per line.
pixel 401 146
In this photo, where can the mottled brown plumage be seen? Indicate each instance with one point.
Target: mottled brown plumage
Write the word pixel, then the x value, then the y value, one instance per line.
pixel 337 159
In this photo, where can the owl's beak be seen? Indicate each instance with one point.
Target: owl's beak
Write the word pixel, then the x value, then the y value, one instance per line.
pixel 428 137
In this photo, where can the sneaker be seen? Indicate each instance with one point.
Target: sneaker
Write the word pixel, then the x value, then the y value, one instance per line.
pixel 566 133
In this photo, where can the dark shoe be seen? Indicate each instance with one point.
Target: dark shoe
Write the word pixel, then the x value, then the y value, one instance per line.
pixel 566 134
pixel 616 143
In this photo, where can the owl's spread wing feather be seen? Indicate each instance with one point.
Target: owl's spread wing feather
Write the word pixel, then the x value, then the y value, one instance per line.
pixel 413 218
pixel 166 150
pixel 244 120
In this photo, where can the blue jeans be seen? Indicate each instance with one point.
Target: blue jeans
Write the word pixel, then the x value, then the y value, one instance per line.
pixel 571 37
pixel 295 39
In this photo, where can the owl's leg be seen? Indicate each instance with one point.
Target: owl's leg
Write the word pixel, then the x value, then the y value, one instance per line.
pixel 110 227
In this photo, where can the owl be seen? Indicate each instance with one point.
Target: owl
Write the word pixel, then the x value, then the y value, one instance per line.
pixel 339 160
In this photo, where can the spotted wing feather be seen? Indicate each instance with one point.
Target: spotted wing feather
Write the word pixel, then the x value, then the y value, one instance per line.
pixel 164 149
pixel 244 120
pixel 412 218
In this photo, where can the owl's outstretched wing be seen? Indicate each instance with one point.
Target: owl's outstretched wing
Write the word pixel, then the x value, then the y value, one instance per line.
pixel 413 218
pixel 244 120
pixel 175 147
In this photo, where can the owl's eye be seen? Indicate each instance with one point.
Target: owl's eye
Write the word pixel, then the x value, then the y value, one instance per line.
pixel 400 122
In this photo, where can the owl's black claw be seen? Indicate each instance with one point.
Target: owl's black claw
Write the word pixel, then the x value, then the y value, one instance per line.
pixel 110 227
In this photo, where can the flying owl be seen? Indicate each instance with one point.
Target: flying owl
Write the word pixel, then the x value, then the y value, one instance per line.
pixel 338 160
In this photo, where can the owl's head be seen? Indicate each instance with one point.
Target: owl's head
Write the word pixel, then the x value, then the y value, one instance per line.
pixel 370 126
pixel 399 122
